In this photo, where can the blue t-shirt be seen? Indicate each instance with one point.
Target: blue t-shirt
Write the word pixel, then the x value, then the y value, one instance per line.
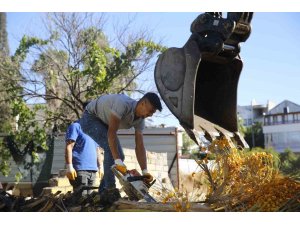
pixel 84 154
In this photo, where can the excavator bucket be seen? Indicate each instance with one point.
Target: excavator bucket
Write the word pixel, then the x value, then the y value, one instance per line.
pixel 198 82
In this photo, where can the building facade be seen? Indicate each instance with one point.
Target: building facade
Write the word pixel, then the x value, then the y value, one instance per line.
pixel 253 113
pixel 282 127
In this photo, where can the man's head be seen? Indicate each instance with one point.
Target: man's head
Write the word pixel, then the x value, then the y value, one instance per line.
pixel 147 105
pixel 85 104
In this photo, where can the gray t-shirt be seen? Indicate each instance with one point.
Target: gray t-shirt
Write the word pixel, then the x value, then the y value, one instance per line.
pixel 121 106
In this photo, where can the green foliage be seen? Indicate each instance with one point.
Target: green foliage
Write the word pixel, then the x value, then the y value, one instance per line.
pixel 290 163
pixel 29 131
pixel 104 65
pixel 25 44
pixel 4 49
pixel 79 64
pixel 257 132
pixel 187 143
pixel 5 118
pixel 241 128
pixel 287 162
pixel 18 176
pixel 25 129
pixel 5 158
pixel 75 64
pixel 28 128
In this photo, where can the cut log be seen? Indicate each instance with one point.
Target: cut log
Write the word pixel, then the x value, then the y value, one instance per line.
pixel 34 203
pixel 124 205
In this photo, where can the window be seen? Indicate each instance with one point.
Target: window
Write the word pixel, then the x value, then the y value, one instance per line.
pixel 249 122
pixel 296 117
pixel 279 119
pixel 275 120
pixel 290 118
pixel 284 118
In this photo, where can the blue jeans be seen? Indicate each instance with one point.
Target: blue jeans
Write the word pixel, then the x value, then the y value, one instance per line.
pixel 95 128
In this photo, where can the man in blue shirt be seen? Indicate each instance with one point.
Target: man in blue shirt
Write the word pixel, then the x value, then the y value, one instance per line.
pixel 104 116
pixel 82 156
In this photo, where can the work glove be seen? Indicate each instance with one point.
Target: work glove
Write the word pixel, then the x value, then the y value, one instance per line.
pixel 71 172
pixel 120 166
pixel 148 177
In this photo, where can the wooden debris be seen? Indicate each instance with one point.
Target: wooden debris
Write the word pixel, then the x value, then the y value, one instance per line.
pixel 72 202
pixel 124 205
pixel 57 202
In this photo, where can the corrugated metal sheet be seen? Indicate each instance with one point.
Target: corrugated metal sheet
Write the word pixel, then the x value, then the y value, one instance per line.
pixel 58 154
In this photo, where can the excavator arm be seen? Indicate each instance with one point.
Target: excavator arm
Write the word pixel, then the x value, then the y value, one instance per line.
pixel 198 82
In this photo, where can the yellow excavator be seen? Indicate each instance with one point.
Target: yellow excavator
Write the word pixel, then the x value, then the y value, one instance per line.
pixel 198 82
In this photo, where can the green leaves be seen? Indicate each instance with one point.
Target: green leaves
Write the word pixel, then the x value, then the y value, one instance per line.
pixel 25 43
pixel 105 64
pixel 28 130
pixel 5 158
pixel 77 63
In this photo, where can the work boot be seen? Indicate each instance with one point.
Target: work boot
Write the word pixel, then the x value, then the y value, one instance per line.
pixel 109 196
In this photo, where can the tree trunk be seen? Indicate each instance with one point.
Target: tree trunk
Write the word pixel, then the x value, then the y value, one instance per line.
pixel 124 205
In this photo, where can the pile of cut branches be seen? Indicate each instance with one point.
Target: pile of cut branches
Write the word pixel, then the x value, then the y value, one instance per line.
pixel 243 180
pixel 58 202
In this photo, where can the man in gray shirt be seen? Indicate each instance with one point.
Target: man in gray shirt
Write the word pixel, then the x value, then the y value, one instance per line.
pixel 102 119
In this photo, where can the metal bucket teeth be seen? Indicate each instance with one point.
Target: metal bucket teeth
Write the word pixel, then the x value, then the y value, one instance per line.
pixel 211 132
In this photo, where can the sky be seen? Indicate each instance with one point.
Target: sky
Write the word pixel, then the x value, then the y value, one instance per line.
pixel 270 56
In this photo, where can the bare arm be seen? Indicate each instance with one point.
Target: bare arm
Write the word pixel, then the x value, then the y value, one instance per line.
pixel 113 127
pixel 68 151
pixel 140 150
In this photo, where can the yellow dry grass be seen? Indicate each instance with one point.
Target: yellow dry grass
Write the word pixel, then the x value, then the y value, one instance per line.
pixel 247 181
pixel 239 180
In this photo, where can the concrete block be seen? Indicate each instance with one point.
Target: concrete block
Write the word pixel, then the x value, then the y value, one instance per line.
pixel 151 168
pixel 159 167
pixel 166 168
pixel 59 181
pixel 53 190
pixel 20 189
pixel 62 173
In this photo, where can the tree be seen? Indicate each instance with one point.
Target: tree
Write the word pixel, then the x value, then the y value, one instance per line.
pixel 79 63
pixel 241 128
pixel 187 143
pixel 27 136
pixel 290 163
pixel 4 49
pixel 5 111
pixel 74 63
pixel 257 132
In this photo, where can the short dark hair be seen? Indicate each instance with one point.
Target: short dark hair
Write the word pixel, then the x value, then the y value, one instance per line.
pixel 85 104
pixel 153 99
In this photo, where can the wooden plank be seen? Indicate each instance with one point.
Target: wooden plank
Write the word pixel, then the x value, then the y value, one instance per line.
pixel 156 207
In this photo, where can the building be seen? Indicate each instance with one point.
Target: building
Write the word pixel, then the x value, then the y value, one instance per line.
pixel 282 127
pixel 254 113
